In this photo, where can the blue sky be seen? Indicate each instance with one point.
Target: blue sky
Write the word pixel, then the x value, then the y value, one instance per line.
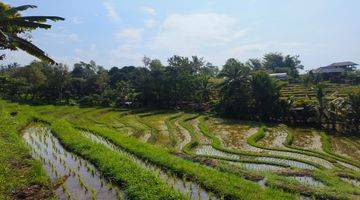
pixel 121 32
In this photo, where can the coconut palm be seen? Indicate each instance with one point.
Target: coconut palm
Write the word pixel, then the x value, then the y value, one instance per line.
pixel 14 30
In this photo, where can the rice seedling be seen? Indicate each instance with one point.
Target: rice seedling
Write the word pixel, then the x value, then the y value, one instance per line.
pixel 61 164
pixel 204 164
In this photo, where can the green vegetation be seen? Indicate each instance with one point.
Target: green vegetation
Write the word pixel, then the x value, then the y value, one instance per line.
pixel 222 184
pixel 14 27
pixel 224 174
pixel 19 174
pixel 155 132
pixel 237 91
pixel 139 184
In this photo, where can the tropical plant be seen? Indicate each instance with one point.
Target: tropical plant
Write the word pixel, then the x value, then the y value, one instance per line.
pixel 266 95
pixel 15 29
pixel 235 91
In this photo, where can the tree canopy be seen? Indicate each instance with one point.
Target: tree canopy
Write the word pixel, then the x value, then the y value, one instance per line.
pixel 238 90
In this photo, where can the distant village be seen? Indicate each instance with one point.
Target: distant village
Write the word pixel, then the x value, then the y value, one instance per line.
pixel 330 72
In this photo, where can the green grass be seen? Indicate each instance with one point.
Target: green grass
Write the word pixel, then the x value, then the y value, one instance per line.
pixel 222 184
pixel 222 178
pixel 18 171
pixel 138 182
pixel 216 143
pixel 326 145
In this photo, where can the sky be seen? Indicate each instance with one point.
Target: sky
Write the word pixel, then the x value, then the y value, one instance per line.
pixel 121 32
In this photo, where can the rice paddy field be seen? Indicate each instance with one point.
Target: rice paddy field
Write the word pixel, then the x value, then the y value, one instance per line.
pixel 68 152
pixel 331 90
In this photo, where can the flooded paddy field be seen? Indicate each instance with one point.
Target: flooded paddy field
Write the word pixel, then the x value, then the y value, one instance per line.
pixel 349 147
pixel 188 188
pixel 242 144
pixel 230 133
pixel 274 138
pixel 77 178
pixel 307 180
pixel 306 138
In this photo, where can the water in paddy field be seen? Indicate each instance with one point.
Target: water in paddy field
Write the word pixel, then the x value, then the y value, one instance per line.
pixel 208 150
pixel 349 166
pixel 187 188
pixel 81 179
pixel 291 163
pixel 308 180
pixel 353 182
pixel 257 166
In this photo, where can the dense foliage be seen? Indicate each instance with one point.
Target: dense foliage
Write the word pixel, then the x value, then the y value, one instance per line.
pixel 15 30
pixel 238 90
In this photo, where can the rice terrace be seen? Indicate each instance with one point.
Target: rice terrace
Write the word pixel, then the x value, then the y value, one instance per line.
pixel 270 127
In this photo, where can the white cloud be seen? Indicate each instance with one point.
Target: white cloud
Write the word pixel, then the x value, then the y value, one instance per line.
pixel 194 33
pixel 150 22
pixel 76 20
pixel 130 35
pixel 125 55
pixel 62 36
pixel 73 37
pixel 129 48
pixel 259 49
pixel 111 11
pixel 19 56
pixel 149 10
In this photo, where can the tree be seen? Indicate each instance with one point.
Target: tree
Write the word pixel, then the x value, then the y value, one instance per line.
pixel 209 70
pixel 273 60
pixel 13 27
pixel 266 96
pixel 235 94
pixel 203 92
pixel 125 94
pixel 320 96
pixel 278 63
pixel 183 63
pixel 353 116
pixel 254 64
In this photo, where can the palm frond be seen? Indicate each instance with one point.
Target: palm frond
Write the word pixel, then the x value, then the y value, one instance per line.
pixel 31 49
pixel 41 18
pixel 14 10
pixel 22 23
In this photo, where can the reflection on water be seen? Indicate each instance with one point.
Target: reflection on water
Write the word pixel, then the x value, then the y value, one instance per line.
pixel 257 167
pixel 348 166
pixel 208 150
pixel 80 178
pixel 291 163
pixel 351 181
pixel 189 189
pixel 308 180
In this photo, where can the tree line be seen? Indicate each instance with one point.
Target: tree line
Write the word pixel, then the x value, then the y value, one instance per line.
pixel 237 90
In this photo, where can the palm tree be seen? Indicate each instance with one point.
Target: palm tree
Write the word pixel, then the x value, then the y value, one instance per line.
pixel 234 72
pixel 320 96
pixel 14 30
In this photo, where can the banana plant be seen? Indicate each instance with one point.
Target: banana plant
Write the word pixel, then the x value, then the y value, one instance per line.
pixel 15 28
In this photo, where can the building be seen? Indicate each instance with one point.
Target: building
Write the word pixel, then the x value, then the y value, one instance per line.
pixel 280 76
pixel 335 68
pixel 333 72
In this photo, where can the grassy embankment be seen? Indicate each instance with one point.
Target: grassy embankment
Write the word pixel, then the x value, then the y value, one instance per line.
pixel 20 175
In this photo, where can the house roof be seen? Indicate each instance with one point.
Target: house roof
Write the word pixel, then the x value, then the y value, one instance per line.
pixel 279 74
pixel 329 69
pixel 338 67
pixel 342 64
